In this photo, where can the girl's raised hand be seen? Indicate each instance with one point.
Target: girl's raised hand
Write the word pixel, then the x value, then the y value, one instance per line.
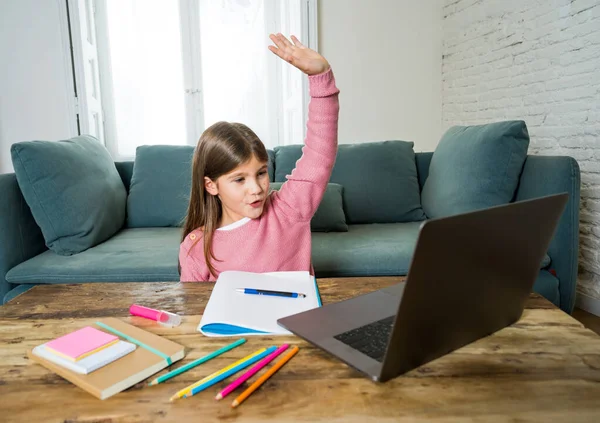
pixel 308 61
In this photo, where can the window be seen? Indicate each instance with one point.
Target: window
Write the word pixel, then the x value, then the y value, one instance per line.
pixel 162 71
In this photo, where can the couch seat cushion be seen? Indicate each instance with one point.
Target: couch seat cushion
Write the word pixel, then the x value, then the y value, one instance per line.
pixel 384 250
pixel 475 167
pixel 73 189
pixel 365 250
pixel 132 255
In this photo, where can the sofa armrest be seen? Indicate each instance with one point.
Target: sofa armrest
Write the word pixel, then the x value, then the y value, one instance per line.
pixel 20 237
pixel 545 175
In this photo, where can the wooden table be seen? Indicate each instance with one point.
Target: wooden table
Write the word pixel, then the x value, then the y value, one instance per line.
pixel 544 368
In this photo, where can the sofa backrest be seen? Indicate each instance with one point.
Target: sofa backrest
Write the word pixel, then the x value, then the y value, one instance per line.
pixel 423 160
pixel 367 189
pixel 125 169
pixel 379 179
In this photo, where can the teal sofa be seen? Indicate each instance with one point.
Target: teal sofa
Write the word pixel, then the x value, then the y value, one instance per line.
pixel 370 245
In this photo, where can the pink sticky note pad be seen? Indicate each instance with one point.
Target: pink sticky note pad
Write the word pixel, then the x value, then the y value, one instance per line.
pixel 81 341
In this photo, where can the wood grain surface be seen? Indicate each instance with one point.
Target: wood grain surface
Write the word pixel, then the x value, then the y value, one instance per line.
pixel 546 367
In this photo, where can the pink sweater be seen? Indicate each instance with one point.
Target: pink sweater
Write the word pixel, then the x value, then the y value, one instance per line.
pixel 280 239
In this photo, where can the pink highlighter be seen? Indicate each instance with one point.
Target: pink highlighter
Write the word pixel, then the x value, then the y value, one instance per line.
pixel 163 317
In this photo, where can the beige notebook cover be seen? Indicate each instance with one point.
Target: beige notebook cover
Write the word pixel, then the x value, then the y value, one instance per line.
pixel 126 371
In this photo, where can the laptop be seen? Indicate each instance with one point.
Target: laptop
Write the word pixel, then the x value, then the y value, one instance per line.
pixel 470 276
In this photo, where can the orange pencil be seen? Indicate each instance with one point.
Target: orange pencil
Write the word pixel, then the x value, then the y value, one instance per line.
pixel 264 377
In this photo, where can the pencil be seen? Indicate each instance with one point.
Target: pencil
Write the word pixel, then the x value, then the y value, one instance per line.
pixel 251 372
pixel 263 378
pixel 196 362
pixel 228 373
pixel 187 389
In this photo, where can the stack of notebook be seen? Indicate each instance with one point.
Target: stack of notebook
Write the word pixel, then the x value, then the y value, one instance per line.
pixel 84 350
pixel 107 357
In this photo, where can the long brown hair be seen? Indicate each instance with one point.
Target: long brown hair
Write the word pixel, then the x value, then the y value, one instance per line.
pixel 221 148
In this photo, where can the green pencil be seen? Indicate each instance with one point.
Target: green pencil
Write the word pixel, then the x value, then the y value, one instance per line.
pixel 194 363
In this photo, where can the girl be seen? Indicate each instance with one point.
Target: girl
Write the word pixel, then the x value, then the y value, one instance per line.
pixel 232 222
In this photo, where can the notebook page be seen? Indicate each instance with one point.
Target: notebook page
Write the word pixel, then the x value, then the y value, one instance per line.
pixel 258 312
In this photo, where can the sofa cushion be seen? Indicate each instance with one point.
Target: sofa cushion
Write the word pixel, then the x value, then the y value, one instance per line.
pixel 329 216
pixel 365 250
pixel 132 255
pixel 73 189
pixel 150 255
pixel 379 179
pixel 378 250
pixel 160 185
pixel 475 167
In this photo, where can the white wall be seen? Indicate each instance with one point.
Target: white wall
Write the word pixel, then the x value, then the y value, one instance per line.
pixel 387 58
pixel 540 62
pixel 34 75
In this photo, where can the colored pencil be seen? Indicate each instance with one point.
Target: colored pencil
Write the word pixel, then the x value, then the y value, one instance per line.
pixel 228 373
pixel 197 362
pixel 264 377
pixel 251 372
pixel 187 389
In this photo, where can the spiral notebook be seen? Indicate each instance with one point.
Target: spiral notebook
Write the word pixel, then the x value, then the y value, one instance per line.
pixel 232 313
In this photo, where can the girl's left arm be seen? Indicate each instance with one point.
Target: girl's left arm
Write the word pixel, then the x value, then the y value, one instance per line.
pixel 300 196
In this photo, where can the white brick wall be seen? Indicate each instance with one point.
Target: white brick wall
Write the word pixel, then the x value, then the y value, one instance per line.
pixel 536 60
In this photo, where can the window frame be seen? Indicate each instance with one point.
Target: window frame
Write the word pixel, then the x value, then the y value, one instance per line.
pixel 192 64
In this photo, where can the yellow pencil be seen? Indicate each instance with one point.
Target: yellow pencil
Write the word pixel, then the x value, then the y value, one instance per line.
pixel 264 377
pixel 189 388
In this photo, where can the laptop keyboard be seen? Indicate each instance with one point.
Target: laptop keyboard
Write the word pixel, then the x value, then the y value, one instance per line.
pixel 371 339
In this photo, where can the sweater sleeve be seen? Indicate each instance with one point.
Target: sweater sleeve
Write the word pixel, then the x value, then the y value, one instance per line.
pixel 301 195
pixel 193 269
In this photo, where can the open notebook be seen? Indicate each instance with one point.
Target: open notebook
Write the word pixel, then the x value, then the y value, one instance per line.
pixel 231 313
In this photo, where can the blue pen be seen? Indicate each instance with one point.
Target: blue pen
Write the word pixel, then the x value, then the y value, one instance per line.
pixel 228 373
pixel 273 293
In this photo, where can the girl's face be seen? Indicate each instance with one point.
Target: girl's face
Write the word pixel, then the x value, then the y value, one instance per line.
pixel 242 191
